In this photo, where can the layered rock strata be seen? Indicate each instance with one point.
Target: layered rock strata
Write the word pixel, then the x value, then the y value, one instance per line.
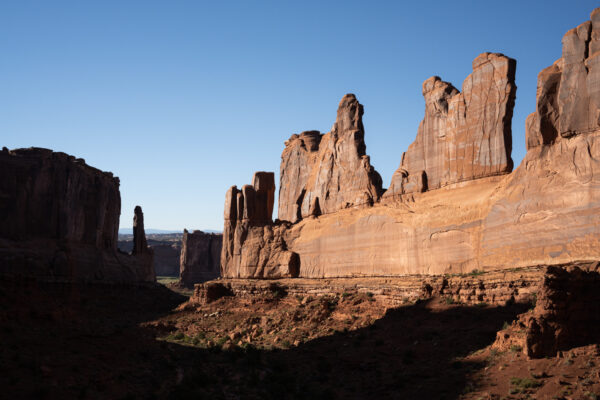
pixel 496 288
pixel 200 257
pixel 463 136
pixel 59 219
pixel 474 213
pixel 254 247
pixel 321 174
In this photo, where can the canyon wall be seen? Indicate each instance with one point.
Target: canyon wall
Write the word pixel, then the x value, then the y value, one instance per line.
pixel 200 259
pixel 59 219
pixel 453 206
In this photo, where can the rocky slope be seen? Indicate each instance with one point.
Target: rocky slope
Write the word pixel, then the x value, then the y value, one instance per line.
pixel 59 219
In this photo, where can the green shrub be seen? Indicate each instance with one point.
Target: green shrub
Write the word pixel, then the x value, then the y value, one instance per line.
pixel 525 383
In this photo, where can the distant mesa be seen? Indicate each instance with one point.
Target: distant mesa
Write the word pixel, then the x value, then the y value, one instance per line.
pixel 200 259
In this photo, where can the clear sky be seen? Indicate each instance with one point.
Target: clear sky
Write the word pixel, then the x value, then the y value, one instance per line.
pixel 182 99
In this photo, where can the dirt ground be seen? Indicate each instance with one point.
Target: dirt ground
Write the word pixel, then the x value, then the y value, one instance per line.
pixel 90 342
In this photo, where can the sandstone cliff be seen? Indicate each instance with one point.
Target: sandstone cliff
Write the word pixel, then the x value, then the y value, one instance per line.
pixel 465 210
pixel 59 219
pixel 200 257
pixel 568 93
pixel 321 174
pixel 253 247
pixel 463 136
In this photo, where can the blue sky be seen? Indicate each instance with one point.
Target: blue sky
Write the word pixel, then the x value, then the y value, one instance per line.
pixel 182 99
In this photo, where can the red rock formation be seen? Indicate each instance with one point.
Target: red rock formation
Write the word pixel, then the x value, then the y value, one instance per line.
pixel 568 93
pixel 254 247
pixel 546 212
pixel 200 257
pixel 566 314
pixel 330 170
pixel 463 136
pixel 59 219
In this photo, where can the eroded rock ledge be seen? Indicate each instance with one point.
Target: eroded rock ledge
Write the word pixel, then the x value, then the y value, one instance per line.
pixel 497 287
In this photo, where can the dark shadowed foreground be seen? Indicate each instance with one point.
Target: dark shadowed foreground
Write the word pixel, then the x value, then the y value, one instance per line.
pixel 110 341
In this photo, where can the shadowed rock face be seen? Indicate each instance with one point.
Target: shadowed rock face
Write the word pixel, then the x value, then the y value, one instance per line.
pixel 330 170
pixel 140 245
pixel 59 219
pixel 463 136
pixel 200 257
pixel 568 92
pixel 57 196
pixel 254 247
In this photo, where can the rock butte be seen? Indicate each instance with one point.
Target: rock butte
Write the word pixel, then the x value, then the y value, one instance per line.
pixel 200 257
pixel 59 219
pixel 453 205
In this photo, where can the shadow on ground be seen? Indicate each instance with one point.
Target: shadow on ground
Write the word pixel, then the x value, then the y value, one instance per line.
pixel 84 342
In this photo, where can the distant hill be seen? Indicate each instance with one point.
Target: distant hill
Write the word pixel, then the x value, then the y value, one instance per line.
pixel 129 231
